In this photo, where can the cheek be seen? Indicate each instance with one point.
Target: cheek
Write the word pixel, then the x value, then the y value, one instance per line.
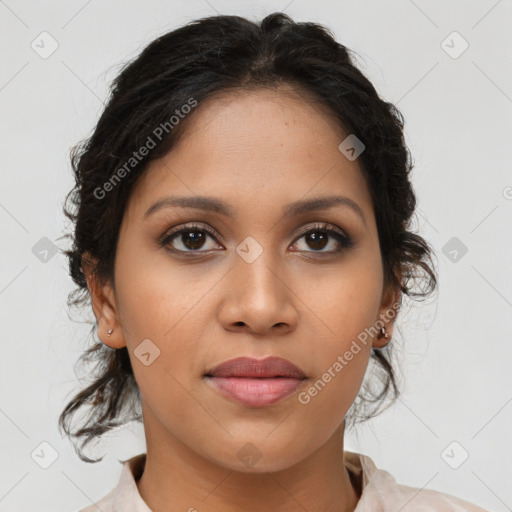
pixel 162 305
pixel 345 300
pixel 341 361
pixel 346 306
pixel 337 383
pixel 156 298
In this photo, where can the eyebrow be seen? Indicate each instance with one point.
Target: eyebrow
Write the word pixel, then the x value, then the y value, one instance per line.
pixel 216 205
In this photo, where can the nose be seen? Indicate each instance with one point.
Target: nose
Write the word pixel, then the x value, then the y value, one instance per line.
pixel 258 298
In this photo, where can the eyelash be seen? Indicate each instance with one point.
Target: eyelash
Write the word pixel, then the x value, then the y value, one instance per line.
pixel 344 240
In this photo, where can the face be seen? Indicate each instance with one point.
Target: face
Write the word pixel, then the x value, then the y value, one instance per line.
pixel 253 281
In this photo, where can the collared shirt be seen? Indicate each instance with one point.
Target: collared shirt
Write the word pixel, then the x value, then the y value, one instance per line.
pixel 380 491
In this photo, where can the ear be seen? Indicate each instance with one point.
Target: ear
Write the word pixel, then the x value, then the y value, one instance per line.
pixel 103 305
pixel 388 311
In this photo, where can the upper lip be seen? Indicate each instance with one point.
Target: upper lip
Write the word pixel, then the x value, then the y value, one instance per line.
pixel 253 368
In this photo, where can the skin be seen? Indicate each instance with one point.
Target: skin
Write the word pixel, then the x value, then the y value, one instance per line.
pixel 258 152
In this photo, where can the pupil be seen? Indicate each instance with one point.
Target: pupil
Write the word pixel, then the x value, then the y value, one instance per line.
pixel 196 239
pixel 317 240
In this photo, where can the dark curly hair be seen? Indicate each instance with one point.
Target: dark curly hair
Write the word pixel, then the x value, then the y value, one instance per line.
pixel 216 55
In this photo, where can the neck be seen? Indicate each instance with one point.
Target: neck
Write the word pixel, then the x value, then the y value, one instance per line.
pixel 177 478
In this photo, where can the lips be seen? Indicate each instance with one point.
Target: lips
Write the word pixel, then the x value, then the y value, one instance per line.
pixel 256 383
pixel 254 368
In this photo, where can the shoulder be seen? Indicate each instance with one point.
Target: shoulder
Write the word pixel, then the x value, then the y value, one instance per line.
pixel 105 504
pixel 381 492
pixel 124 496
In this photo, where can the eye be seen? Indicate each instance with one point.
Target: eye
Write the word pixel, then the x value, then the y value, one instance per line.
pixel 192 238
pixel 320 236
pixel 189 238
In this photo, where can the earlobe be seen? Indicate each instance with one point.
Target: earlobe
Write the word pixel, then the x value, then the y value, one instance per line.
pixel 104 307
pixel 382 338
pixel 113 337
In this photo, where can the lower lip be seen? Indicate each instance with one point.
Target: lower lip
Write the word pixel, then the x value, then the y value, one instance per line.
pixel 255 392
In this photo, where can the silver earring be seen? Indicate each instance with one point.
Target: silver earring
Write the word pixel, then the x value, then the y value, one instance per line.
pixel 383 333
pixel 109 332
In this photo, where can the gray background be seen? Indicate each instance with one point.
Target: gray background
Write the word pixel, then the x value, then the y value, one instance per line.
pixel 457 351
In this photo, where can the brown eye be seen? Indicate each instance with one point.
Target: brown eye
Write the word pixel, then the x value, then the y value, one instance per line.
pixel 189 239
pixel 193 239
pixel 317 240
pixel 319 237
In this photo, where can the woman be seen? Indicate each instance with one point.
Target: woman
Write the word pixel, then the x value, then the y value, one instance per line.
pixel 241 228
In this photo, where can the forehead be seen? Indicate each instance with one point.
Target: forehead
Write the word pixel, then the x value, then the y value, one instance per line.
pixel 262 146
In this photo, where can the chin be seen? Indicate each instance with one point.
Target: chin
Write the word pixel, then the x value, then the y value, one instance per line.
pixel 259 457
